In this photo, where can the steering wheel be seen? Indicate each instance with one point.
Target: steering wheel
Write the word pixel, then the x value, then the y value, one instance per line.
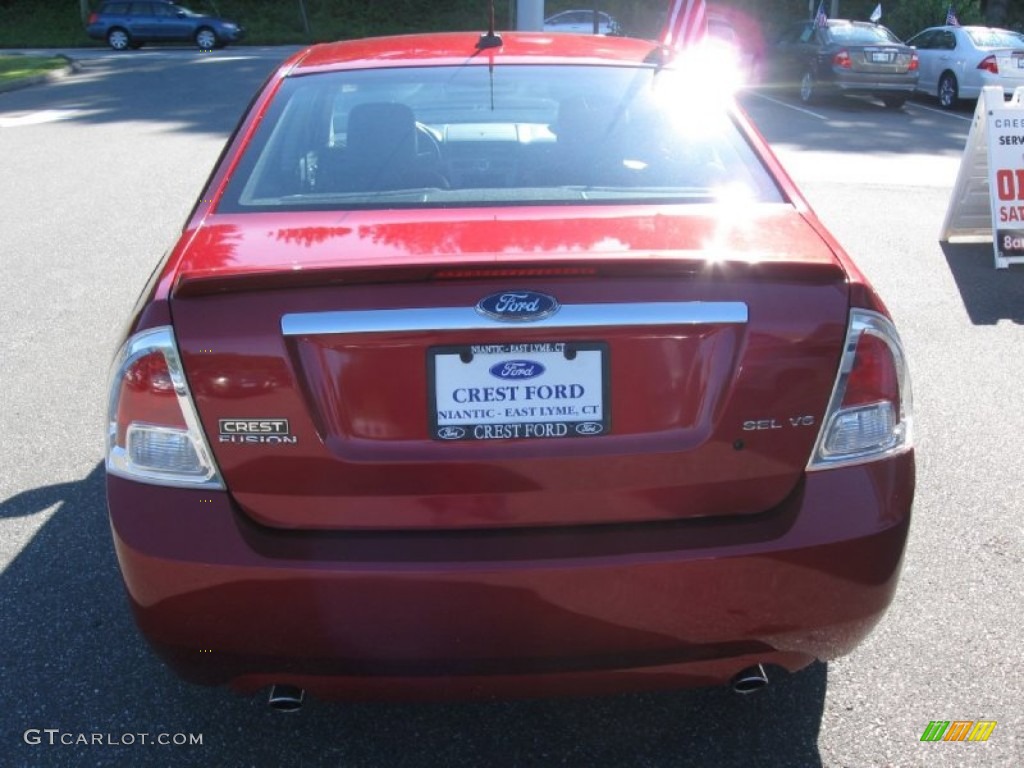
pixel 428 144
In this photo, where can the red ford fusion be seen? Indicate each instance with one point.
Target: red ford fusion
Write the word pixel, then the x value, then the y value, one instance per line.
pixel 501 366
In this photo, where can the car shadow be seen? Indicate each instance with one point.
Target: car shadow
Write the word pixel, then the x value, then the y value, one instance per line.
pixel 73 661
pixel 988 294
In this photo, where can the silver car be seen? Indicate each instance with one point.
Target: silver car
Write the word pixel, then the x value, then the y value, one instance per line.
pixel 957 62
pixel 582 22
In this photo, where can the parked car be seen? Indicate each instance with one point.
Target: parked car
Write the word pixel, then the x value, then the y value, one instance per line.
pixel 957 62
pixel 582 22
pixel 483 369
pixel 844 57
pixel 740 40
pixel 129 24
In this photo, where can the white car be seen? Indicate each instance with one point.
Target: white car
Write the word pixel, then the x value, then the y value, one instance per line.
pixel 957 62
pixel 582 22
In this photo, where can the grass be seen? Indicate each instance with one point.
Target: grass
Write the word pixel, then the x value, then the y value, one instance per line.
pixel 17 67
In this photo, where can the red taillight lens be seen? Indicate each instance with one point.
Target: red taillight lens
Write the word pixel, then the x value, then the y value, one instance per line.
pixel 989 64
pixel 873 377
pixel 842 59
pixel 153 432
pixel 869 415
pixel 148 395
pixel 915 62
pixel 93 18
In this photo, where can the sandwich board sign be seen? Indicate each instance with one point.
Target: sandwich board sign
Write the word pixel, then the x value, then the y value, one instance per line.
pixel 988 198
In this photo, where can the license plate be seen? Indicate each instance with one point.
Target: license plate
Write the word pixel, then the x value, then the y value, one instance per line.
pixel 518 391
pixel 881 58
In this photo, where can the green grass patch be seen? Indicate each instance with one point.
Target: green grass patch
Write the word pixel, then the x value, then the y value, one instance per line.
pixel 17 67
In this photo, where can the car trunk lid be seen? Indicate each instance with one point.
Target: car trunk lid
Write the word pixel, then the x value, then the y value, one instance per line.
pixel 349 377
pixel 880 59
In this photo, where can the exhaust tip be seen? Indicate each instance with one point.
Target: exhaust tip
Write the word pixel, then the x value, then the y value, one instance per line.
pixel 750 679
pixel 286 698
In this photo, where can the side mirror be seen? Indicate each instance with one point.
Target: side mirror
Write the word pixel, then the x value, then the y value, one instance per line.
pixel 180 14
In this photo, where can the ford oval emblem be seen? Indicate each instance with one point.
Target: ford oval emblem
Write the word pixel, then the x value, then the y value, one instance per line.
pixel 589 428
pixel 451 433
pixel 516 370
pixel 517 306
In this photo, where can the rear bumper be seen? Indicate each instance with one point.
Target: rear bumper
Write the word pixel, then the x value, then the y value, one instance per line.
pixel 853 82
pixel 970 88
pixel 537 612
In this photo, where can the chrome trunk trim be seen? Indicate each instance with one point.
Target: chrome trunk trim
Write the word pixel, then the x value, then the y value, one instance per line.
pixel 468 319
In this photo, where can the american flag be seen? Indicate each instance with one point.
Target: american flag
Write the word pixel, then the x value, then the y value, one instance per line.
pixel 687 23
pixel 820 18
pixel 951 19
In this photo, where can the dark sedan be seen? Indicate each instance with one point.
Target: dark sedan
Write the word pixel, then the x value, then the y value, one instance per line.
pixel 844 57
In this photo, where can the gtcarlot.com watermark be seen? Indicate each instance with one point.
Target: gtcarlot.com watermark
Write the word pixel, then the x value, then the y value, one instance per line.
pixel 54 737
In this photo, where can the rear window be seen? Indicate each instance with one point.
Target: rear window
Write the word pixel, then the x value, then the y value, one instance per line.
pixel 856 34
pixel 995 38
pixel 120 9
pixel 514 135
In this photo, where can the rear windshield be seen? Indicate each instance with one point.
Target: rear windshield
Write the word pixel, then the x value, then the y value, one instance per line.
pixel 855 34
pixel 995 38
pixel 470 135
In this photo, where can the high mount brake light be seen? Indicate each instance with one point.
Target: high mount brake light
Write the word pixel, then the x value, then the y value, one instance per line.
pixel 153 432
pixel 870 414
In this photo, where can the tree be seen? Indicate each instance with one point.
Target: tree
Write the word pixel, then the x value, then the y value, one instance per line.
pixel 996 12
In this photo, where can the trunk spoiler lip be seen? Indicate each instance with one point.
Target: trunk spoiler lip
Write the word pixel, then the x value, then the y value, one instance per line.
pixel 672 265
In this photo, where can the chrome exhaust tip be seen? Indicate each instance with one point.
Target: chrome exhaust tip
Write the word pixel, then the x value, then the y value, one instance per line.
pixel 286 698
pixel 750 679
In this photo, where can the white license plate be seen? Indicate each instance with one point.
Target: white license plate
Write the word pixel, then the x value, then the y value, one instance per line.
pixel 881 58
pixel 519 391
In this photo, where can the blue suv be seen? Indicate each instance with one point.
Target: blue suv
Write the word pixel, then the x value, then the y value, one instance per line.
pixel 130 23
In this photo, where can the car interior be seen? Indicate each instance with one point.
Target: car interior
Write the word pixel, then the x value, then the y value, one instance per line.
pixel 460 137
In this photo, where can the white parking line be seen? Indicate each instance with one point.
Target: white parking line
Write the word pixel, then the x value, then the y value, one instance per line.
pixel 790 106
pixel 915 105
pixel 37 118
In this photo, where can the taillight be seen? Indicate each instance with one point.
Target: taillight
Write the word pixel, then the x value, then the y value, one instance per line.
pixel 870 414
pixel 93 18
pixel 989 64
pixel 153 431
pixel 842 59
pixel 915 62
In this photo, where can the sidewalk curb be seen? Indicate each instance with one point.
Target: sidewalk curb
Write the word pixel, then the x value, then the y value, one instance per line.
pixel 57 74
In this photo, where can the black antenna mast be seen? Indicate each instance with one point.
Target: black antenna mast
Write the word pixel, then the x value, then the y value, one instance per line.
pixel 490 39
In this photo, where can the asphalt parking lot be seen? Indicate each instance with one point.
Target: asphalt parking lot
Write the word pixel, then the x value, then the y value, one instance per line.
pixel 100 170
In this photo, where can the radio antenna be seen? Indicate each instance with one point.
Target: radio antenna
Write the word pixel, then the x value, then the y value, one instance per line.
pixel 490 39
